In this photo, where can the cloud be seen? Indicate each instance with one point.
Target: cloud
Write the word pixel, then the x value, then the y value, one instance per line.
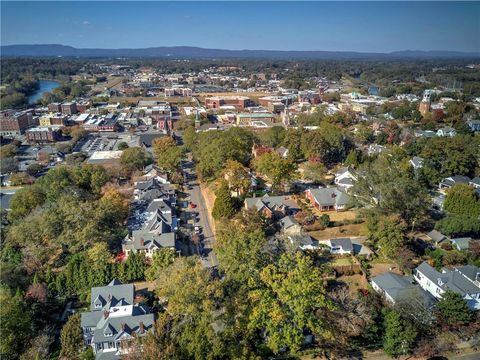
pixel 86 22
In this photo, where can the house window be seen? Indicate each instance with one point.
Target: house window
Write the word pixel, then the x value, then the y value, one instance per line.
pixel 111 345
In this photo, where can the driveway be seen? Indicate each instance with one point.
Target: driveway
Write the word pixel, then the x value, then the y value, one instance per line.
pixel 208 240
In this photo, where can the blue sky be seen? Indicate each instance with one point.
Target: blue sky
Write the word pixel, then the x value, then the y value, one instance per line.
pixel 334 26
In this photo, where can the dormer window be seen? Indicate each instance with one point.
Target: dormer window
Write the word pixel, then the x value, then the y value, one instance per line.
pixel 98 305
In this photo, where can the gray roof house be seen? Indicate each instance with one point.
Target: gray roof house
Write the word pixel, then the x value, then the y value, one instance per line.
pixel 148 242
pixel 398 288
pixel 416 162
pixel 475 182
pixel 341 246
pixel 345 177
pixel 289 225
pixel 474 125
pixel 461 243
pixel 326 199
pixel 115 320
pixel 436 236
pixel 271 206
pixel 464 280
pixel 447 183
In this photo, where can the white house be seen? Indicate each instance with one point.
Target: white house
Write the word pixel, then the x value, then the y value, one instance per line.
pixel 446 132
pixel 463 280
pixel 341 246
pixel 416 162
pixel 345 177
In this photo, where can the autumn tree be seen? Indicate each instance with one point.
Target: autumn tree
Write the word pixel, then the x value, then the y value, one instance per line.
pixel 290 299
pixel 237 176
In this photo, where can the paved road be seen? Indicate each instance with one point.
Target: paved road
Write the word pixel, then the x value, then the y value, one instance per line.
pixel 474 356
pixel 208 239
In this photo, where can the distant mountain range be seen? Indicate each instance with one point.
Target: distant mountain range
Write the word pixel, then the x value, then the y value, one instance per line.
pixel 188 52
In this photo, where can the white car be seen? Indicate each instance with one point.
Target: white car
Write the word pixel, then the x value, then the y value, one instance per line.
pixel 197 229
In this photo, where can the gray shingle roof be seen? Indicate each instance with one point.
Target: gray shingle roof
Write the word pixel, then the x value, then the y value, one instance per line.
pixel 436 236
pixel 287 222
pixel 344 243
pixel 402 289
pixel 115 291
pixel 151 241
pixel 330 196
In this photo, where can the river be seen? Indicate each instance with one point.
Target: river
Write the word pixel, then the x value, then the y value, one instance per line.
pixel 45 86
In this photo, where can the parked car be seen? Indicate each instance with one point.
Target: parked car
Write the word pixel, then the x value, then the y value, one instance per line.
pixel 197 229
pixel 193 205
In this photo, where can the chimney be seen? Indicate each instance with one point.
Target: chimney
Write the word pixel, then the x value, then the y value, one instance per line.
pixel 105 314
pixel 142 242
pixel 122 325
pixel 141 327
pixel 109 297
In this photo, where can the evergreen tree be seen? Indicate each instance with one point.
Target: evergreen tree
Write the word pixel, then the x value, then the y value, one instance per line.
pixel 399 334
pixel 453 309
pixel 224 206
pixel 71 338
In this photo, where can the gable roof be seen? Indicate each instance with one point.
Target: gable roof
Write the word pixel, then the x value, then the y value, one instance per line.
pixel 402 289
pixel 436 236
pixel 111 294
pixel 330 196
pixel 344 243
pixel 287 222
pixel 461 243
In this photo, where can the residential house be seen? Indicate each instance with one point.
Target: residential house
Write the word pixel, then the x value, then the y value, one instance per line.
pixel 463 280
pixel 446 132
pixel 448 182
pixel 475 182
pixel 345 177
pixel 290 226
pixel 401 289
pixel 149 243
pixel 272 206
pixel 436 236
pixel 462 243
pixel 341 246
pixel 474 125
pixel 327 199
pixel 115 321
pixel 376 149
pixel 416 162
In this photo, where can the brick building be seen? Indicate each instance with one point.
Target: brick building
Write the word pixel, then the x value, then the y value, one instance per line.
pixel 55 107
pixel 14 123
pixel 69 108
pixel 43 134
pixel 239 102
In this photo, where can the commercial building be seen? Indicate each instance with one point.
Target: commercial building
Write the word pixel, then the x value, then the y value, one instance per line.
pixel 14 123
pixel 44 134
pixel 239 102
pixel 69 108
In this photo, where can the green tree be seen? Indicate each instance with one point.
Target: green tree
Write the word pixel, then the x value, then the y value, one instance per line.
pixel 224 206
pixel 20 178
pixel 34 168
pixel 385 184
pixel 161 260
pixel 352 159
pixel 241 251
pixel 133 159
pixel 122 145
pixel 387 233
pixel 314 171
pixel 237 176
pixel 189 137
pixel 288 301
pixel 462 199
pixel 399 335
pixel 15 321
pixel 24 201
pixel 278 170
pixel 71 338
pixel 453 309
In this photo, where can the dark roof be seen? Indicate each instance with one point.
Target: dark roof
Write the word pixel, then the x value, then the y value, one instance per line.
pixel 344 243
pixel 330 196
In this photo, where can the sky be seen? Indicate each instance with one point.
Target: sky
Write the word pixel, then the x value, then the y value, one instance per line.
pixel 328 26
